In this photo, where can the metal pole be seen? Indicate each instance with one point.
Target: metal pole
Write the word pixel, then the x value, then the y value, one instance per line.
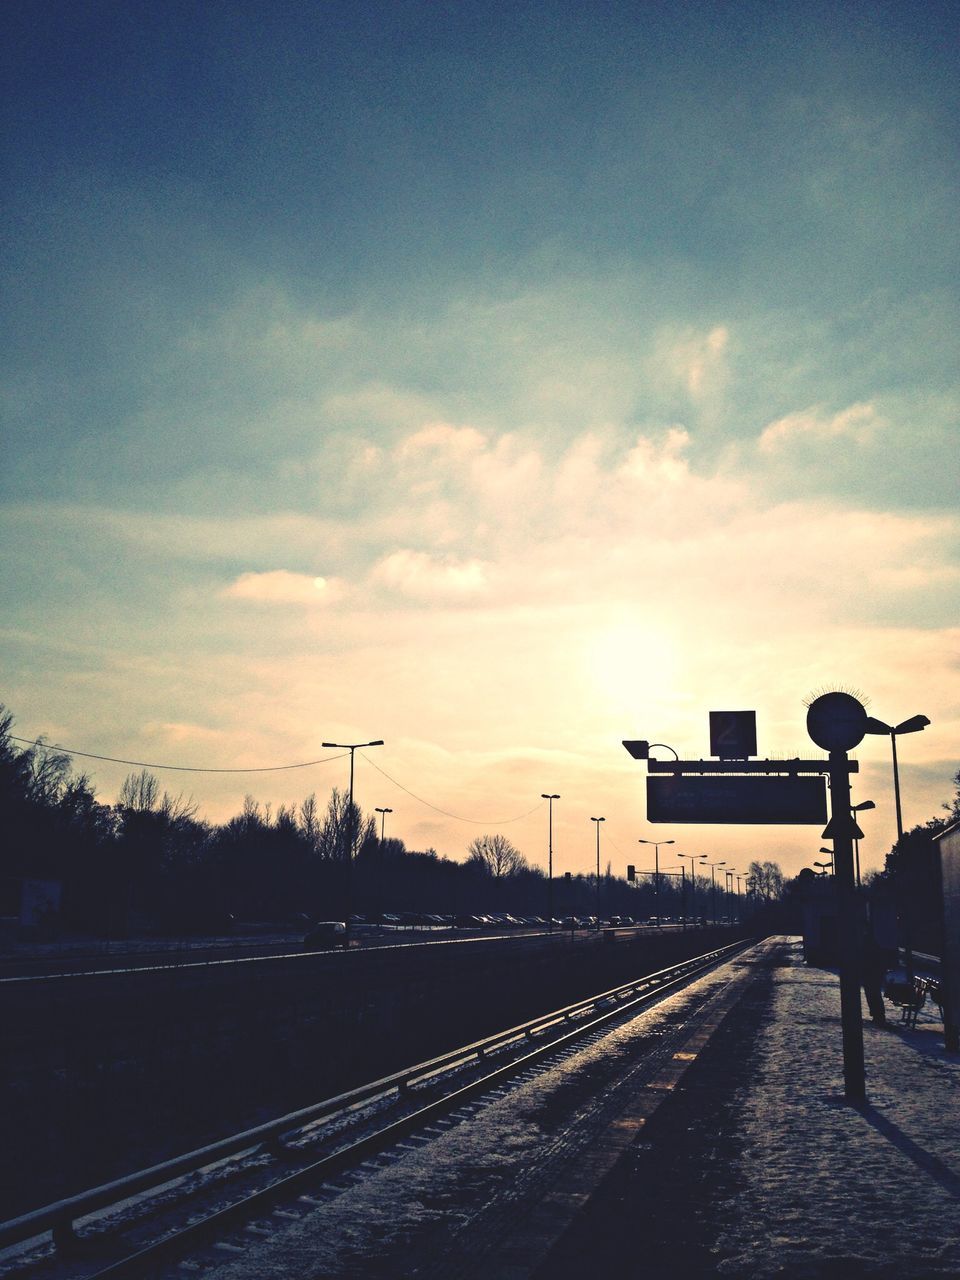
pixel 683 894
pixel 656 880
pixel 550 799
pixel 896 784
pixel 348 871
pixel 349 832
pixel 550 863
pixel 598 821
pixel 598 877
pixel 851 1009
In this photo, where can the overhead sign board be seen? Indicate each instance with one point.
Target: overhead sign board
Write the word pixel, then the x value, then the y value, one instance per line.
pixel 720 799
pixel 733 734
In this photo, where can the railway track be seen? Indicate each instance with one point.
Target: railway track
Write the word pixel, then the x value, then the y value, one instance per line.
pixel 186 1216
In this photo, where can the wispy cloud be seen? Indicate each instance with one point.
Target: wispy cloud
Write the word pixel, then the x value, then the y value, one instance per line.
pixel 857 424
pixel 279 586
pixel 430 578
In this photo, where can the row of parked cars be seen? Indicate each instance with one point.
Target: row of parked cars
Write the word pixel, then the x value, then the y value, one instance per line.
pixel 332 933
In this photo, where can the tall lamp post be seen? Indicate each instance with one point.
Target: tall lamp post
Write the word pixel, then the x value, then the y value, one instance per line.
pixel 598 821
pixel 550 799
pixel 383 818
pixel 694 859
pixel 713 886
pixel 350 834
pixel 728 877
pixel 656 871
pixel 855 809
pixel 913 725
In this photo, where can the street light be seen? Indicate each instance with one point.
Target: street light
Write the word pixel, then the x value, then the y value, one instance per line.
pixel 855 809
pixel 913 725
pixel 824 865
pixel 550 799
pixel 728 876
pixel 598 821
pixel 383 817
pixel 350 835
pixel 694 859
pixel 713 885
pixel 656 873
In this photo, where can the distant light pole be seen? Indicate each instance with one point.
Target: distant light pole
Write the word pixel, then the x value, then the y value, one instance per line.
pixel 823 867
pixel 550 798
pixel 598 821
pixel 656 872
pixel 350 836
pixel 383 818
pixel 694 859
pixel 728 875
pixel 913 725
pixel 713 886
pixel 855 809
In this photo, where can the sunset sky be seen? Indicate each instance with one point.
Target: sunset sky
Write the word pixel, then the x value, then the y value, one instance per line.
pixel 498 380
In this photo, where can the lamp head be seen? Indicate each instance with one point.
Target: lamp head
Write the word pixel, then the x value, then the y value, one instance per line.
pixel 873 725
pixel 913 725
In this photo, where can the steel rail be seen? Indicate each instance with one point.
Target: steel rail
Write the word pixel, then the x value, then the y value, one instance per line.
pixel 172 1246
pixel 61 1216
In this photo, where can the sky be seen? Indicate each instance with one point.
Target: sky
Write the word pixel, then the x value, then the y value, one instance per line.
pixel 500 381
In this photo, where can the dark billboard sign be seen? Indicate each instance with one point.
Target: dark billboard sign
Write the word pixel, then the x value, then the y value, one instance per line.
pixel 720 799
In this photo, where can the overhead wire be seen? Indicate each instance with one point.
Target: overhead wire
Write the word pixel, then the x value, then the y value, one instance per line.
pixel 276 768
pixel 482 822
pixel 175 768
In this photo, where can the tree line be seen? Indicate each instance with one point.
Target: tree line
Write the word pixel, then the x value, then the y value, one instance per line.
pixel 149 863
pixel 911 876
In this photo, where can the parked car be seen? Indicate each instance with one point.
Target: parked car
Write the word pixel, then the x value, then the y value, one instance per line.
pixel 326 935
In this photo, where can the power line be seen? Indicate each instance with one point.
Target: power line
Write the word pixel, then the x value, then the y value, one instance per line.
pixel 175 768
pixel 480 822
pixel 276 768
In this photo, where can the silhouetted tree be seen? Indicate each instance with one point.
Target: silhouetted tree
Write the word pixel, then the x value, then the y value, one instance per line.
pixel 767 880
pixel 496 856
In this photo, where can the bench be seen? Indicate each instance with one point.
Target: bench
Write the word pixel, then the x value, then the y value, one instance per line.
pixel 910 996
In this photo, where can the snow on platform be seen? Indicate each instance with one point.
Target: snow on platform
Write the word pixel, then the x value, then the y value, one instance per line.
pixel 828 1189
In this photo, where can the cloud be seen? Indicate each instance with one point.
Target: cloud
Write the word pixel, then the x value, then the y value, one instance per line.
pixel 857 424
pixel 279 586
pixel 443 438
pixel 425 577
pixel 695 361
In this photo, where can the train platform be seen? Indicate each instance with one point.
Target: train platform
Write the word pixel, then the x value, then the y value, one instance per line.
pixel 753 1166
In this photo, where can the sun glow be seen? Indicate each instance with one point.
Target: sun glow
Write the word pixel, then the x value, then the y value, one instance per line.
pixel 632 664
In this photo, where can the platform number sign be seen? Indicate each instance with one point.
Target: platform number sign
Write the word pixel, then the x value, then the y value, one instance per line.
pixel 733 734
